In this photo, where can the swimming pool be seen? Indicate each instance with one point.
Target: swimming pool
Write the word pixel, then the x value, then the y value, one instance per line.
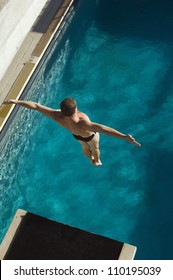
pixel 118 66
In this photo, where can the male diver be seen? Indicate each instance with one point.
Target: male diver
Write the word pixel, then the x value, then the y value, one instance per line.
pixel 85 131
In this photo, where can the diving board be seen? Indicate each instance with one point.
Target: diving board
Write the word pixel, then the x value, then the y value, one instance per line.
pixel 32 237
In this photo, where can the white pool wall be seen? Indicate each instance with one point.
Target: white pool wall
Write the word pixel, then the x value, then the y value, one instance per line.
pixel 16 19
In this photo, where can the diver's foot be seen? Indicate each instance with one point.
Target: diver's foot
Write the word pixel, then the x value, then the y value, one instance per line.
pixel 96 163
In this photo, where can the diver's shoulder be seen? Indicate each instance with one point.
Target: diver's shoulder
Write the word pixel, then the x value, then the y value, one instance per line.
pixel 83 116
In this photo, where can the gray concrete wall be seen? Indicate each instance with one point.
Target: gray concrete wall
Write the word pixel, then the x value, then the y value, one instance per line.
pixel 16 19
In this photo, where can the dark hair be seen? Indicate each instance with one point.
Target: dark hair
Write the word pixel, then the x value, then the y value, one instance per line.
pixel 68 106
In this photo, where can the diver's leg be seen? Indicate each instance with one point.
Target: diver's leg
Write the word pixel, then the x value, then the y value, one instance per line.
pixel 95 151
pixel 86 150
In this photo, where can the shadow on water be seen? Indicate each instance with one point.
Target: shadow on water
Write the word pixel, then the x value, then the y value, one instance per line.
pixel 150 20
pixel 145 19
pixel 165 90
pixel 85 13
pixel 155 226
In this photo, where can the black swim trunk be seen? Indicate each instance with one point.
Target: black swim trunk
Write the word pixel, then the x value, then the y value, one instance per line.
pixel 84 139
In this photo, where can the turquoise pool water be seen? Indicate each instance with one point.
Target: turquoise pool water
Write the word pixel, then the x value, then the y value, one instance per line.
pixel 118 66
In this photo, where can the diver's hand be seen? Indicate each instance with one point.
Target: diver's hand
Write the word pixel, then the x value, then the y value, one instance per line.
pixel 132 140
pixel 10 101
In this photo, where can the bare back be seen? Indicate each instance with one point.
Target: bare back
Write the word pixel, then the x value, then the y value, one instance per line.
pixel 75 123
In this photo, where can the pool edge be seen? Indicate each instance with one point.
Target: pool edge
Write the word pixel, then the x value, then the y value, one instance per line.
pixel 30 66
pixel 4 246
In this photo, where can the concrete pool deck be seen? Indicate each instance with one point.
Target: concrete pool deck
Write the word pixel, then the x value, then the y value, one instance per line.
pixel 30 53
